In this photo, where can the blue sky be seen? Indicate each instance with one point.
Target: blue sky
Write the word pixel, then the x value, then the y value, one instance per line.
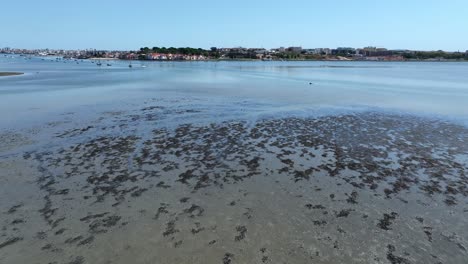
pixel 105 24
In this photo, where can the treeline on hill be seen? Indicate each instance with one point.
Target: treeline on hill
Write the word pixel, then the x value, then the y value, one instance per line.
pixel 289 55
pixel 213 52
pixel 424 55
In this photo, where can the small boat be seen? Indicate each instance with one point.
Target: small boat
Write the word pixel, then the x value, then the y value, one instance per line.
pixel 108 64
pixel 130 65
pixel 98 64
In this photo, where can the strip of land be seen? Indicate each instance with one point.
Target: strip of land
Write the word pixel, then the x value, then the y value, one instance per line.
pixel 10 73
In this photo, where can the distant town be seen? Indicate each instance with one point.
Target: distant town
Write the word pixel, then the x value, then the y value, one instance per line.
pixel 240 53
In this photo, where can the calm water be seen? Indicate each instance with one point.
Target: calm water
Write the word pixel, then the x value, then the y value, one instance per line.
pixel 49 87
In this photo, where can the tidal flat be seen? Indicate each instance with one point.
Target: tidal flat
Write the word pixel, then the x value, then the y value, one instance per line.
pixel 233 162
pixel 366 187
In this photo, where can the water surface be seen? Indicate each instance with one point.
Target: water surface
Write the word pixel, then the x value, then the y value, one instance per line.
pixel 50 86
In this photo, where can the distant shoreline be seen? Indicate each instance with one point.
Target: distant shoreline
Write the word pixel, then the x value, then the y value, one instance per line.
pixel 10 73
pixel 296 60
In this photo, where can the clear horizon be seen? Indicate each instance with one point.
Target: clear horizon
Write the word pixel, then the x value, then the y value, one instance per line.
pixel 114 25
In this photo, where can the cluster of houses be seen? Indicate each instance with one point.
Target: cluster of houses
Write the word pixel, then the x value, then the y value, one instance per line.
pixel 367 53
pixel 161 56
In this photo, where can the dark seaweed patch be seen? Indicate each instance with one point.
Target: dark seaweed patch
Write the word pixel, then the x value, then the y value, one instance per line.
pixel 344 213
pixel 170 228
pixel 227 259
pixel 386 222
pixel 194 211
pixel 10 241
pixel 242 230
pixel 393 258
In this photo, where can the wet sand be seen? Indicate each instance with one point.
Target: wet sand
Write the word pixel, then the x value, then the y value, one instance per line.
pixel 10 73
pixel 367 187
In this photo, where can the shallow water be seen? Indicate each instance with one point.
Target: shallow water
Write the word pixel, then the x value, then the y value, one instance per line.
pixel 429 88
pixel 233 162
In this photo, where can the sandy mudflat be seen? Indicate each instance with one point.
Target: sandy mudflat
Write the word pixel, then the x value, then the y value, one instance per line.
pixel 10 73
pixel 355 188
